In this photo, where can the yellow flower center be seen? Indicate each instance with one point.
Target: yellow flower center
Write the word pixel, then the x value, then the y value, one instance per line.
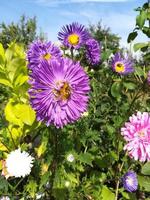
pixel 47 56
pixel 64 92
pixel 73 39
pixel 141 134
pixel 119 67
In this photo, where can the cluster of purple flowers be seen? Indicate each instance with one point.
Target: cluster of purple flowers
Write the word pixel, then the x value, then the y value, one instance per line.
pixel 59 86
pixel 76 36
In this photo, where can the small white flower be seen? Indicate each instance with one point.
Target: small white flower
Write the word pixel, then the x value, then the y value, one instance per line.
pixel 67 183
pixel 39 195
pixel 70 158
pixel 19 163
pixel 5 198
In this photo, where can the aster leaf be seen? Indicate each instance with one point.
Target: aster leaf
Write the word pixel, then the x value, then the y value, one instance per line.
pixel 140 19
pixel 107 194
pixel 144 183
pixel 132 36
pixel 139 46
pixel 129 85
pixel 146 169
pixel 86 158
pixel 116 90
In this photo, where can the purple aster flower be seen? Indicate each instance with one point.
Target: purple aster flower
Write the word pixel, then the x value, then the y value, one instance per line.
pixel 92 51
pixel 59 91
pixel 130 182
pixel 73 35
pixel 39 51
pixel 122 65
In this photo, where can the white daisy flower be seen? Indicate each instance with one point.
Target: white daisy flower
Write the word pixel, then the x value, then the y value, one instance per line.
pixel 70 158
pixel 19 163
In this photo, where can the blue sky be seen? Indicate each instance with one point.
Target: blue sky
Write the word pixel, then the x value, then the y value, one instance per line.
pixel 119 15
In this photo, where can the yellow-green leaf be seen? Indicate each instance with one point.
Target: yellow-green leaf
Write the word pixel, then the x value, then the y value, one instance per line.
pixel 10 114
pixel 25 113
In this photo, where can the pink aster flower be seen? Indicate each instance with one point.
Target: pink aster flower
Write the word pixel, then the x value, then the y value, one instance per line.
pixel 137 135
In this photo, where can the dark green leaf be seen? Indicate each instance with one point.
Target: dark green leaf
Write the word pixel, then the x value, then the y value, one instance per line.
pixel 132 36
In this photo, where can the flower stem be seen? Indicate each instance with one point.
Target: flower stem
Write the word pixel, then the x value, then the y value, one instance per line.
pixel 118 182
pixel 12 138
pixel 71 50
pixel 55 159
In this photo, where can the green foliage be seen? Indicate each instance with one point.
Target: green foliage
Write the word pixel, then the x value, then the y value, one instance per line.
pixel 107 39
pixel 142 24
pixel 146 169
pixel 22 32
pixel 106 194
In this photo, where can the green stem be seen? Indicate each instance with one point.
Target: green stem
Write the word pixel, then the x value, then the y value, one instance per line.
pixel 137 95
pixel 71 50
pixel 18 184
pixel 118 181
pixel 5 145
pixel 55 160
pixel 12 138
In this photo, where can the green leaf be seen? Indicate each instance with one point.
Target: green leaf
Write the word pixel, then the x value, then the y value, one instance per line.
pixel 2 54
pixel 14 66
pixel 25 113
pixel 138 46
pixel 10 114
pixel 42 148
pixel 116 89
pixel 105 54
pixel 20 80
pixel 129 85
pixel 146 169
pixel 144 183
pixel 146 30
pixel 107 194
pixel 140 19
pixel 8 54
pixel 132 36
pixel 2 146
pixel 16 132
pixel 31 187
pixel 5 82
pixel 86 158
pixel 72 178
